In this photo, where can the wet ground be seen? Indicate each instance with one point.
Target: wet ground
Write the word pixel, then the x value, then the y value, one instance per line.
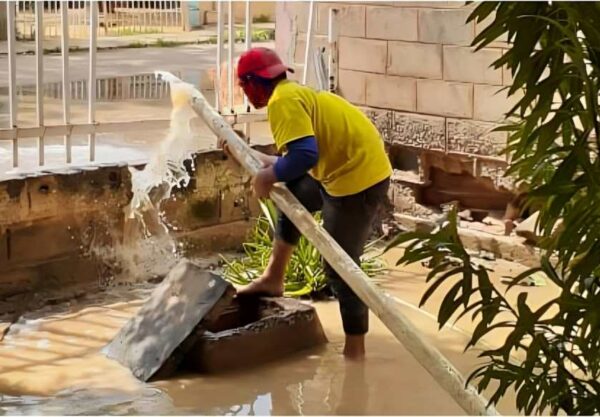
pixel 51 363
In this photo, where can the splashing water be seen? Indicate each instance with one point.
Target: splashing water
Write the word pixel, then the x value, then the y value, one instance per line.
pixel 166 169
pixel 148 249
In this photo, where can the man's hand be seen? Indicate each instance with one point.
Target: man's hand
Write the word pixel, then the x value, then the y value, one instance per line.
pixel 263 182
pixel 222 144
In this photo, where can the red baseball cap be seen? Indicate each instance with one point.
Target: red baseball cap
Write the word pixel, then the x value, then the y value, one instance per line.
pixel 263 62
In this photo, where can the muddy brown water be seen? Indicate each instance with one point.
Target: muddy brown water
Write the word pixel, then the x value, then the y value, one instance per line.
pixel 51 363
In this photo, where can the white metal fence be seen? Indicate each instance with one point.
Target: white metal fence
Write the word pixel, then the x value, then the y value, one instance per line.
pixel 115 18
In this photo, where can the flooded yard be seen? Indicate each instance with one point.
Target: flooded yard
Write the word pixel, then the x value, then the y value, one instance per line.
pixel 51 363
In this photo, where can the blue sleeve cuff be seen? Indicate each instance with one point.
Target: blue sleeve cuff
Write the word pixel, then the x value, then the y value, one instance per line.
pixel 302 155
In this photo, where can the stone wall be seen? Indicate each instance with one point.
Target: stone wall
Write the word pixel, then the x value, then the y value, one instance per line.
pixel 49 223
pixel 410 66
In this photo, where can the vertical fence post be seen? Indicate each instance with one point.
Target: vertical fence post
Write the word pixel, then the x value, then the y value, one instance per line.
pixel 307 55
pixel 92 76
pixel 230 51
pixel 39 75
pixel 220 18
pixel 12 76
pixel 66 81
pixel 248 36
pixel 332 38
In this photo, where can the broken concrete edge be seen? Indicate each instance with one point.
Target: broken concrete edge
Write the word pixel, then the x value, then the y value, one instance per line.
pixel 285 327
pixel 179 354
pixel 505 247
pixel 148 343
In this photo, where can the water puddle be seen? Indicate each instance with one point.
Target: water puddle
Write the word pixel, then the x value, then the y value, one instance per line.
pixel 69 375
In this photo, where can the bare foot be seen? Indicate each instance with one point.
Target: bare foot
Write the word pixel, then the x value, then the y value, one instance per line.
pixel 354 349
pixel 509 225
pixel 267 286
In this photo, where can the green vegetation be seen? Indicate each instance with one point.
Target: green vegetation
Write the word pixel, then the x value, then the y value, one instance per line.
pixel 305 275
pixel 551 356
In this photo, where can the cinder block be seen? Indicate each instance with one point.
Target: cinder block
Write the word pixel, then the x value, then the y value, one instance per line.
pixel 418 131
pixel 350 19
pixel 254 331
pixel 490 102
pixel 411 59
pixel 481 26
pixel 427 4
pixel 507 78
pixel 445 98
pixel 382 119
pixel 363 54
pixel 353 86
pixel 465 65
pixel 391 23
pixel 445 26
pixel 388 92
pixel 473 137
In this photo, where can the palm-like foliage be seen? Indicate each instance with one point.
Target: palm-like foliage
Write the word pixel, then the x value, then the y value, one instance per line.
pixel 551 356
pixel 305 274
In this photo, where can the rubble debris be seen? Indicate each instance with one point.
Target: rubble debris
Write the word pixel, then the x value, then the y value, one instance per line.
pixel 527 228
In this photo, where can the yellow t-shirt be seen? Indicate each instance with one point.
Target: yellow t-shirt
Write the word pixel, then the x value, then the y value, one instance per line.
pixel 351 152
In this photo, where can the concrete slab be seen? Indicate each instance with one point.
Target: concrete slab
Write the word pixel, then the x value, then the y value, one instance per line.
pixel 153 342
pixel 255 331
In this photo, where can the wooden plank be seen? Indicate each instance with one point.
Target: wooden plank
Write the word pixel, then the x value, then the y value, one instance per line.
pixel 155 340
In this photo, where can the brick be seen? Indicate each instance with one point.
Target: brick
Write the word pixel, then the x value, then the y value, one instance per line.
pixel 411 59
pixel 490 103
pixel 463 64
pixel 418 131
pixel 445 98
pixel 352 86
pixel 495 172
pixel 388 92
pixel 507 78
pixel 427 4
pixel 363 54
pixel 445 26
pixel 481 26
pixel 392 23
pixel 350 19
pixel 382 119
pixel 473 137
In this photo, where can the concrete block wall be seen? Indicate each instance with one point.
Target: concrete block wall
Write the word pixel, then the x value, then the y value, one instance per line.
pixel 410 66
pixel 51 223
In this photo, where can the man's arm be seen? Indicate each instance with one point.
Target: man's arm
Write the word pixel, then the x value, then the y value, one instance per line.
pixel 267 160
pixel 302 155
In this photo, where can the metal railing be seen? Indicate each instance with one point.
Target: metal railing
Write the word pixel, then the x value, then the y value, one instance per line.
pixel 115 18
pixel 91 90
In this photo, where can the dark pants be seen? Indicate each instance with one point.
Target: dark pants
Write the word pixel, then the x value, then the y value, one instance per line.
pixel 348 220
